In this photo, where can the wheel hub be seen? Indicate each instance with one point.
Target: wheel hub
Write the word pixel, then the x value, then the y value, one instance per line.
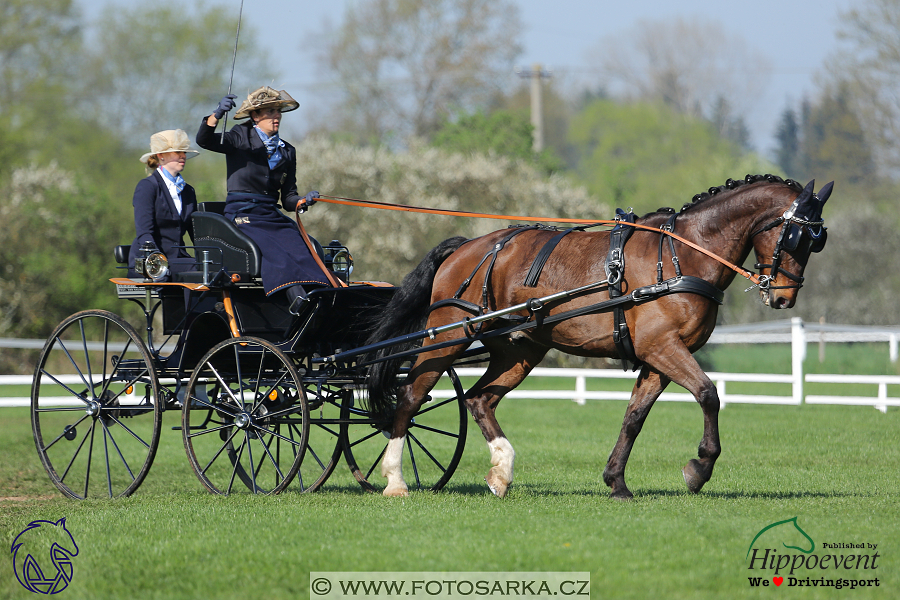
pixel 242 421
pixel 93 408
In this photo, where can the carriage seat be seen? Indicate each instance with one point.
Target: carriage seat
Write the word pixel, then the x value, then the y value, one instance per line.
pixel 240 254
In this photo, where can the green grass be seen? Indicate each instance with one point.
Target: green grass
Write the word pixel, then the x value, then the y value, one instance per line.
pixel 835 468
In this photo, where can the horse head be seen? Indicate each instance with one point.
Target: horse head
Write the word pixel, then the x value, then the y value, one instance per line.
pixel 790 240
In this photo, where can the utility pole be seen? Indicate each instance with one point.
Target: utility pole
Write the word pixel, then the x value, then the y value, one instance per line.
pixel 537 102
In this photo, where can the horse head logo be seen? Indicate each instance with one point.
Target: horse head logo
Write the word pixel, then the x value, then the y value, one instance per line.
pixel 786 531
pixel 40 545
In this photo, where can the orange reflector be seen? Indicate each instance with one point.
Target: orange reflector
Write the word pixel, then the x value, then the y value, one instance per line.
pixel 273 395
pixel 130 389
pixel 235 278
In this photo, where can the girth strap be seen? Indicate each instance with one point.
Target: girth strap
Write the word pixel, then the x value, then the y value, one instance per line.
pixel 615 275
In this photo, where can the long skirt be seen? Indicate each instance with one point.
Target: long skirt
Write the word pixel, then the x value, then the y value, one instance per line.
pixel 286 259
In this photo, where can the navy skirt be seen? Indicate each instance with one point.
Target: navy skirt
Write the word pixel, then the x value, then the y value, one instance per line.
pixel 286 259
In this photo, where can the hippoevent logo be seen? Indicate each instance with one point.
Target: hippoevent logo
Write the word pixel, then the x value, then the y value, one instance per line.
pixel 42 556
pixel 783 554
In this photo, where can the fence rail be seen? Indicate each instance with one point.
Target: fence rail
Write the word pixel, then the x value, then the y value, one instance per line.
pixel 795 332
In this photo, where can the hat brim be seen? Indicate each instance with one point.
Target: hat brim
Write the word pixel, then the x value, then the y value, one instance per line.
pixel 187 154
pixel 285 105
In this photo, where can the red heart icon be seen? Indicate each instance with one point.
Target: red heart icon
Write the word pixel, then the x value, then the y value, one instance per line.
pixel 778 580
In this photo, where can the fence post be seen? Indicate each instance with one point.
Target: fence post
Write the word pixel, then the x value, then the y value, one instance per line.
pixel 798 354
pixel 893 346
pixel 580 389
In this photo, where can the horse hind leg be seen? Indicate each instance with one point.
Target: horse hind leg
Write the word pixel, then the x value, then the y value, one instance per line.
pixel 509 365
pixel 647 389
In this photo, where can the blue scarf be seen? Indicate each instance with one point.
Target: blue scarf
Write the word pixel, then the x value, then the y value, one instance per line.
pixel 178 180
pixel 273 146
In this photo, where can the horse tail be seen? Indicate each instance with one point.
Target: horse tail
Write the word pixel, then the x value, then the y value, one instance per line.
pixel 407 312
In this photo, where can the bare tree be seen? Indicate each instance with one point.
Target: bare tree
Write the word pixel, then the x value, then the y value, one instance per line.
pixel 154 67
pixel 403 65
pixel 694 66
pixel 871 68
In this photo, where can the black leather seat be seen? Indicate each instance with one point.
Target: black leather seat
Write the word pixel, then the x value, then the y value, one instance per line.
pixel 240 254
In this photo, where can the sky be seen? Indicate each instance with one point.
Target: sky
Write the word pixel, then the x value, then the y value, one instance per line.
pixel 795 36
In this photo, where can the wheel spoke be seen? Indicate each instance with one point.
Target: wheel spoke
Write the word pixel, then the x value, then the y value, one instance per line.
pixel 65 387
pixel 216 455
pixel 106 456
pixel 433 430
pixel 435 406
pixel 412 459
pixel 87 356
pixel 237 461
pixel 126 428
pixel 60 436
pixel 427 453
pixel 87 475
pixel 77 450
pixel 116 446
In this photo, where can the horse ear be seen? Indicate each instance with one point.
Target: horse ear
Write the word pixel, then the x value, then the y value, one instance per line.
pixel 807 192
pixel 825 192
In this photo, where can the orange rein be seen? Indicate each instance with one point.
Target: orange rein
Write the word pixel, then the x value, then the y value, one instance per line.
pixel 753 277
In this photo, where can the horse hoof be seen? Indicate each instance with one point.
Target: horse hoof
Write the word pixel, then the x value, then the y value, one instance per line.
pixel 497 487
pixel 623 495
pixel 395 492
pixel 693 477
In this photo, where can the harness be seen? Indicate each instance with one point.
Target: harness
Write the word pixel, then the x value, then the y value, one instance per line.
pixel 615 273
pixel 799 219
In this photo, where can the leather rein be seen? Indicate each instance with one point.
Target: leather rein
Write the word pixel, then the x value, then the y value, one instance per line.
pixel 757 280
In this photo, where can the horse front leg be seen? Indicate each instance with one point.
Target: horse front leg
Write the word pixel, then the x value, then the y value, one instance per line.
pixel 647 389
pixel 679 366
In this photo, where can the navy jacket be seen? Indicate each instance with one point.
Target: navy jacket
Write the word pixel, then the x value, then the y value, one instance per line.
pixel 156 220
pixel 248 166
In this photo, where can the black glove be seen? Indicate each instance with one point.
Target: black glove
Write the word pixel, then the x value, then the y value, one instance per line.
pixel 225 104
pixel 308 201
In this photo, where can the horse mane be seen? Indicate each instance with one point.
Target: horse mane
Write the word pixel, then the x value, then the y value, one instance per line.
pixel 731 184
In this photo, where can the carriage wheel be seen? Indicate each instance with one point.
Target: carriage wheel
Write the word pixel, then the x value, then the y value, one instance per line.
pixel 94 413
pixel 434 444
pixel 245 418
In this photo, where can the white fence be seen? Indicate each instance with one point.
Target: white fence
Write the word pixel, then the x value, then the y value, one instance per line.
pixel 795 332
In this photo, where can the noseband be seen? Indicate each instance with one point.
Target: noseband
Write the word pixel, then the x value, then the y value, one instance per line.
pixel 793 228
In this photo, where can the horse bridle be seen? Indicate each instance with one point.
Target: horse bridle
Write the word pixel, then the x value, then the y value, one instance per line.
pixel 793 228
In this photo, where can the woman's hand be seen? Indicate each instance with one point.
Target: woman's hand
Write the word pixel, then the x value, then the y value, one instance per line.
pixel 308 201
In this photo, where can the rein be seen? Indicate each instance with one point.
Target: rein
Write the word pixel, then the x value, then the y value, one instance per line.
pixel 753 277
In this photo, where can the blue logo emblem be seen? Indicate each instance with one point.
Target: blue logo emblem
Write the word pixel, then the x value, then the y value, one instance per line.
pixel 42 556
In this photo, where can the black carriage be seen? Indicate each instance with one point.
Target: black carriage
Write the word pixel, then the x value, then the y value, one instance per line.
pixel 259 410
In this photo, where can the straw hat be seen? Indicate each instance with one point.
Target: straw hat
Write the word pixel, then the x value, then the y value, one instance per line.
pixel 170 140
pixel 266 97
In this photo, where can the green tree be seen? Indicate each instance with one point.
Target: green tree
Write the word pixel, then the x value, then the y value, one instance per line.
pixel 647 155
pixel 403 66
pixel 788 137
pixel 504 133
pixel 834 143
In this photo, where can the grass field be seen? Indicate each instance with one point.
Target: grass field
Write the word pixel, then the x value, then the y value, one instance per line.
pixel 834 468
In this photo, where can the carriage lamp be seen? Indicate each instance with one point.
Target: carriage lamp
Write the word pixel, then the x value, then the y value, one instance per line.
pixel 339 260
pixel 151 263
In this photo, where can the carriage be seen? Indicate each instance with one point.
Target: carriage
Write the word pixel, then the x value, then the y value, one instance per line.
pixel 271 399
pixel 258 413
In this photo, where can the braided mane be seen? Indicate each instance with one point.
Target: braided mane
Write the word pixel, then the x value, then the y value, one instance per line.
pixel 731 184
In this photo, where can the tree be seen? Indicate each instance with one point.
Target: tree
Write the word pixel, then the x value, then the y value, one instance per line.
pixel 177 72
pixel 387 245
pixel 37 42
pixel 870 73
pixel 788 136
pixel 834 144
pixel 689 66
pixel 403 66
pixel 647 155
pixel 503 133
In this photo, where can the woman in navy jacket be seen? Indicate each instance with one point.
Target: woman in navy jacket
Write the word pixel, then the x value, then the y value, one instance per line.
pixel 163 202
pixel 262 170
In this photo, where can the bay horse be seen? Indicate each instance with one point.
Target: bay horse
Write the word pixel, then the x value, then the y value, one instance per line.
pixel 778 219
